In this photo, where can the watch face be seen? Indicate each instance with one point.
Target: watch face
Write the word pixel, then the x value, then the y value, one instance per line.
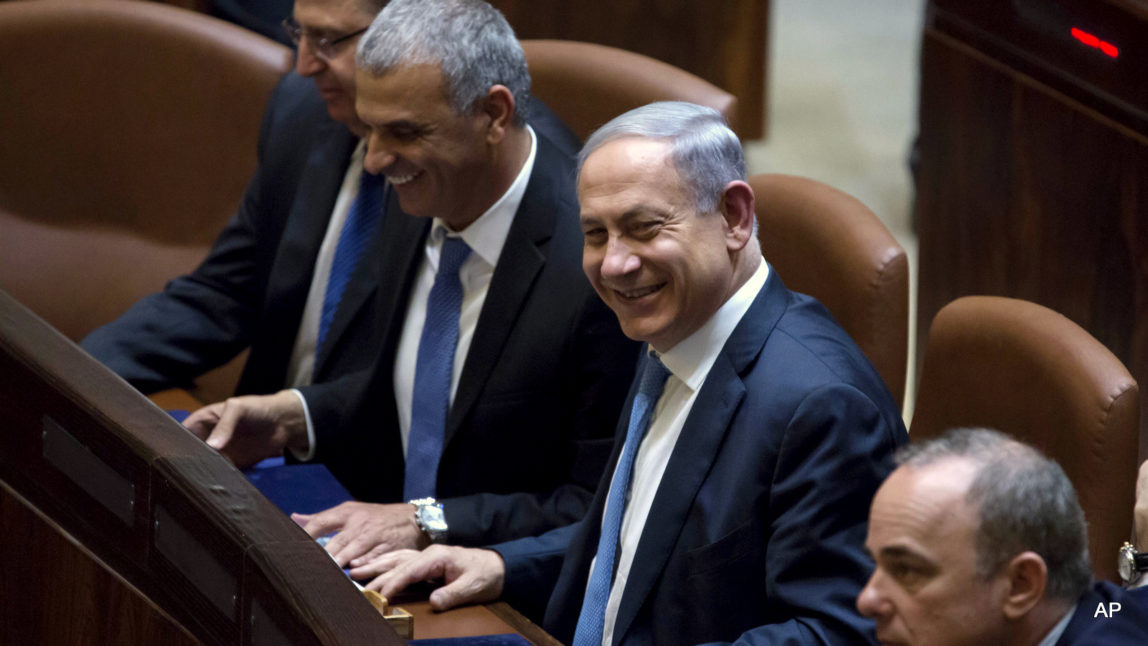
pixel 1125 563
pixel 1124 566
pixel 432 518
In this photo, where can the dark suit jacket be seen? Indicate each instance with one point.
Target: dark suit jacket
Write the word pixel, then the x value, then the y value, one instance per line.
pixel 1126 627
pixel 759 522
pixel 531 423
pixel 251 289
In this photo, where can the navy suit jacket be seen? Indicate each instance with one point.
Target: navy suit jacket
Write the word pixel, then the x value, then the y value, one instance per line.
pixel 251 289
pixel 758 526
pixel 531 424
pixel 1126 627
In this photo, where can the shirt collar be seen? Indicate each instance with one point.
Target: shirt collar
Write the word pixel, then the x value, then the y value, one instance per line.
pixel 487 235
pixel 1054 635
pixel 690 360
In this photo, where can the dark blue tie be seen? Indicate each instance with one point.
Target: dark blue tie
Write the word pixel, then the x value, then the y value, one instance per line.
pixel 362 222
pixel 592 619
pixel 433 369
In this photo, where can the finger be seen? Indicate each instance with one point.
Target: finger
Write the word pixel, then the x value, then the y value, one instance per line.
pixel 202 421
pixel 363 568
pixel 302 519
pixel 325 522
pixel 355 547
pixel 414 570
pixel 372 554
pixel 224 429
pixel 456 593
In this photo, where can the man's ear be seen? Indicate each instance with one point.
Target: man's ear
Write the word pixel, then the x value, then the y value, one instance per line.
pixel 737 209
pixel 1027 577
pixel 499 106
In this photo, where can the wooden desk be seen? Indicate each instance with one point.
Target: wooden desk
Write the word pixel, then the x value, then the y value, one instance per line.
pixel 490 619
pixel 121 527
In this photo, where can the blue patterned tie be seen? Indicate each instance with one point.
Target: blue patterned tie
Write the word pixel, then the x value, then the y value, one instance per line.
pixel 433 369
pixel 592 619
pixel 362 221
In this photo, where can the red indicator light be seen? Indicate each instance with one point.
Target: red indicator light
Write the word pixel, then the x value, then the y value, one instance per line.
pixel 1085 37
pixel 1092 41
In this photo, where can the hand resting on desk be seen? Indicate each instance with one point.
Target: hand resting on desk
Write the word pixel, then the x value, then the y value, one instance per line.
pixel 249 429
pixel 365 531
pixel 471 575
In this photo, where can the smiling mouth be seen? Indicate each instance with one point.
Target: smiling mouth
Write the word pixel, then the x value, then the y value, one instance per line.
pixel 399 180
pixel 635 294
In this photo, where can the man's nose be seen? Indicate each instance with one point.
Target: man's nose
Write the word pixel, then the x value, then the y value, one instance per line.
pixel 379 155
pixel 307 62
pixel 871 603
pixel 620 259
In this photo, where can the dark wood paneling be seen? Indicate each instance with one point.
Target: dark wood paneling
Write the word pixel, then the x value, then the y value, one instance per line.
pixel 120 480
pixel 1026 192
pixel 56 592
pixel 723 42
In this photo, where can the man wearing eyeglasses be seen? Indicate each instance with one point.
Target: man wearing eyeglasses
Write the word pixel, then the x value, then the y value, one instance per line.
pixel 265 285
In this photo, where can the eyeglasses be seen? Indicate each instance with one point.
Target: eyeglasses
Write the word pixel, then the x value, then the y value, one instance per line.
pixel 326 47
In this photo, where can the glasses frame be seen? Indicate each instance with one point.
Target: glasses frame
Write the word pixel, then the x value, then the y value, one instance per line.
pixel 326 47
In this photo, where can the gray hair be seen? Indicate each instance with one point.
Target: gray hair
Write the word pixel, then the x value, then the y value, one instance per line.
pixel 1024 501
pixel 469 39
pixel 704 151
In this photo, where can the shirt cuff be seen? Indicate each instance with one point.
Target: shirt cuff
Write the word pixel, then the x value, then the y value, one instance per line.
pixel 310 453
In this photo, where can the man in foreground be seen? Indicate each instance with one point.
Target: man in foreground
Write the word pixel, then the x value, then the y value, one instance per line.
pixel 751 442
pixel 979 539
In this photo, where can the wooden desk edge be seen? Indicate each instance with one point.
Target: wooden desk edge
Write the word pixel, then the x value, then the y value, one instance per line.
pixel 520 623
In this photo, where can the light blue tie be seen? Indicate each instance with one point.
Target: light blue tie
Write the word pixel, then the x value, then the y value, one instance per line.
pixel 591 620
pixel 433 369
pixel 362 222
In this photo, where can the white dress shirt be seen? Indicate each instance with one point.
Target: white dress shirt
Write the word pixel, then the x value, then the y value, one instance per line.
pixel 485 237
pixel 689 363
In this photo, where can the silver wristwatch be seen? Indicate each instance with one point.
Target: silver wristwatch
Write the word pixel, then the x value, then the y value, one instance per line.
pixel 430 518
pixel 1131 563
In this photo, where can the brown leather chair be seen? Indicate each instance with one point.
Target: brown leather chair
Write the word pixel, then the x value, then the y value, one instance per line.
pixel 825 243
pixel 588 84
pixel 128 134
pixel 1023 369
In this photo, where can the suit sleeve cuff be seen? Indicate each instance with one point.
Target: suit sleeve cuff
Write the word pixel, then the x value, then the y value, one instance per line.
pixel 310 453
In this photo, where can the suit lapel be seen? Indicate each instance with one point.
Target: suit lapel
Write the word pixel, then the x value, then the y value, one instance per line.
pixel 697 448
pixel 400 253
pixel 290 278
pixel 364 281
pixel 522 259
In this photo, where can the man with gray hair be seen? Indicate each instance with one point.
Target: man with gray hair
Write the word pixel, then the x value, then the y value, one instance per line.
pixel 487 414
pixel 979 539
pixel 751 441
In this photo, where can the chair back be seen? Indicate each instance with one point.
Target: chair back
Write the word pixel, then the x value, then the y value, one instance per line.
pixel 129 134
pixel 588 84
pixel 1026 370
pixel 826 243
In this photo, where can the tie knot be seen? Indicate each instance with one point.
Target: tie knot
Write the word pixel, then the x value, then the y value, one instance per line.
pixel 454 253
pixel 653 377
